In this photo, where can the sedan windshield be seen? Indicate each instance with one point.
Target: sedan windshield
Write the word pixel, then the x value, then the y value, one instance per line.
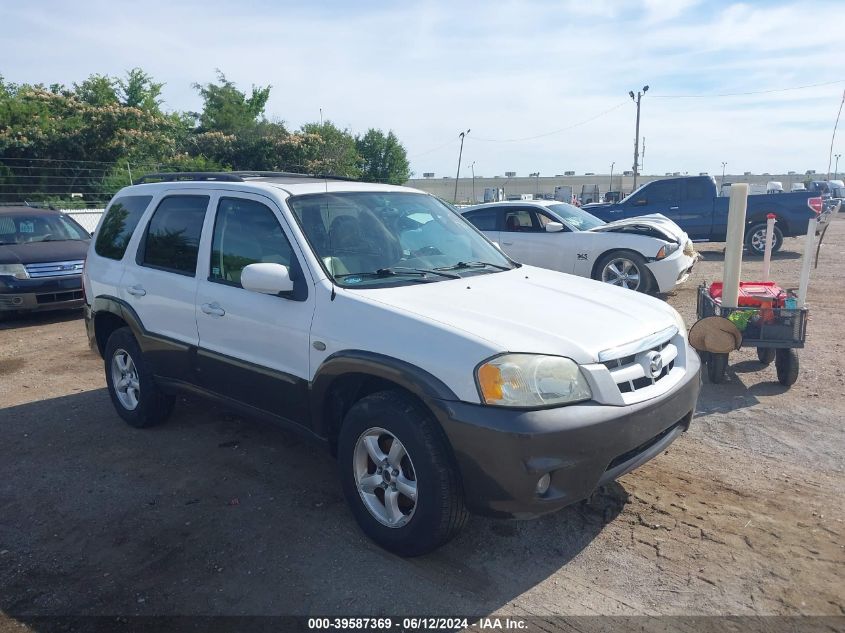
pixel 576 218
pixel 25 228
pixel 378 238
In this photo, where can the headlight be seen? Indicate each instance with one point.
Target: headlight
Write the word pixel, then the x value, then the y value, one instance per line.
pixel 666 250
pixel 18 271
pixel 531 380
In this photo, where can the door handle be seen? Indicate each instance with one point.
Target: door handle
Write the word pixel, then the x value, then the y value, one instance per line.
pixel 136 291
pixel 213 309
pixel 508 243
pixel 673 208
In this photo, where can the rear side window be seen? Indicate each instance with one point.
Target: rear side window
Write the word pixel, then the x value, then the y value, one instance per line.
pixel 119 224
pixel 245 232
pixel 173 235
pixel 483 219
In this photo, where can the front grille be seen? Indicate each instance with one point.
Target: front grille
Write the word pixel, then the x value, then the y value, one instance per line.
pixel 55 269
pixel 636 371
pixel 58 297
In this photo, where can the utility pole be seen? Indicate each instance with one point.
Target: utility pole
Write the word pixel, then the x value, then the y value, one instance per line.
pixel 460 154
pixel 472 166
pixel 642 157
pixel 637 132
pixel 722 183
pixel 836 169
pixel 611 175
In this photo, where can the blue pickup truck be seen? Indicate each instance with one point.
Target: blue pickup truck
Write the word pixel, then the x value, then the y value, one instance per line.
pixel 693 203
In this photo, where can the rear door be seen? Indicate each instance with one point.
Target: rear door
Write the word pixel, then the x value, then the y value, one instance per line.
pixel 253 347
pixel 487 221
pixel 696 209
pixel 161 283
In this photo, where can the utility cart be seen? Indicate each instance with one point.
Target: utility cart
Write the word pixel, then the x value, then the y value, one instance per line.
pixel 767 320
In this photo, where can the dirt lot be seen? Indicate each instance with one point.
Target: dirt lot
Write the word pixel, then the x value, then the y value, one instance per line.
pixel 212 514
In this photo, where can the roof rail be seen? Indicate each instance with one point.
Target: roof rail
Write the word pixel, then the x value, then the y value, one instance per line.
pixel 229 176
pixel 171 176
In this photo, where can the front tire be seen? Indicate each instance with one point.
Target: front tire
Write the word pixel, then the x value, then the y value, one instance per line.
pixel 755 239
pixel 134 394
pixel 787 366
pixel 398 474
pixel 625 269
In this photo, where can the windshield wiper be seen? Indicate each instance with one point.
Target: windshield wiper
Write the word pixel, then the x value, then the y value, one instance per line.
pixel 399 271
pixel 475 265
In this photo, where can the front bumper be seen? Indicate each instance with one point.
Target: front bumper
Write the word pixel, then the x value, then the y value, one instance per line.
pixel 501 453
pixel 672 270
pixel 45 293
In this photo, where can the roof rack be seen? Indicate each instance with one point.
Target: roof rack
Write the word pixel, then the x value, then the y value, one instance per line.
pixel 229 176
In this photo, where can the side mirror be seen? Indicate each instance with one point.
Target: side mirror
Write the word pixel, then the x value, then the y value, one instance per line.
pixel 554 227
pixel 269 279
pixel 641 202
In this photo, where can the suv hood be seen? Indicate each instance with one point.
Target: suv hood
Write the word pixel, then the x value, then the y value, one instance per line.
pixel 654 222
pixel 42 252
pixel 533 310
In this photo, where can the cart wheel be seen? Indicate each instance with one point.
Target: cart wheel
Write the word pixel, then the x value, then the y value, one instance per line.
pixel 786 364
pixel 766 355
pixel 717 364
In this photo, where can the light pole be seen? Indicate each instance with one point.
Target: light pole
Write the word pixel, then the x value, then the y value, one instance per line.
pixel 460 154
pixel 472 166
pixel 836 169
pixel 611 176
pixel 536 176
pixel 722 183
pixel 637 133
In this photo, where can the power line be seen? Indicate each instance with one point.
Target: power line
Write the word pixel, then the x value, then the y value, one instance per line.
pixel 753 92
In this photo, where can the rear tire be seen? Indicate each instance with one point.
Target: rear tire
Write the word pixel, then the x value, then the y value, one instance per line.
pixel 625 269
pixel 755 239
pixel 403 523
pixel 787 366
pixel 132 388
pixel 717 365
pixel 766 355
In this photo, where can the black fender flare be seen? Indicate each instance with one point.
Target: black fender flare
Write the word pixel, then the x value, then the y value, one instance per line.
pixel 120 308
pixel 417 381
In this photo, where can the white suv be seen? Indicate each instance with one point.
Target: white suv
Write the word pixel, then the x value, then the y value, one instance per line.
pixel 374 318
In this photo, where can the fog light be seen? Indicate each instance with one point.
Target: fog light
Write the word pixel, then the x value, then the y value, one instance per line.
pixel 543 484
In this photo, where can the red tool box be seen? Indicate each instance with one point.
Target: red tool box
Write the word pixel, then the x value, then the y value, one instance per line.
pixel 754 294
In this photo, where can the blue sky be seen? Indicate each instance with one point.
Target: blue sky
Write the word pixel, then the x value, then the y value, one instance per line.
pixel 506 70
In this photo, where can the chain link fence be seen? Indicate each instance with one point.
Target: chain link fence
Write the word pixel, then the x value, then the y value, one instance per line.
pixel 88 218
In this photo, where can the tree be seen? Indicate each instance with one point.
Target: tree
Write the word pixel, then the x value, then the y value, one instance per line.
pixel 227 109
pixel 326 149
pixel 139 90
pixel 383 158
pixel 97 90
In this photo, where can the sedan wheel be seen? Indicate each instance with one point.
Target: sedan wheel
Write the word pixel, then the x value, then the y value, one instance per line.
pixel 621 271
pixel 385 477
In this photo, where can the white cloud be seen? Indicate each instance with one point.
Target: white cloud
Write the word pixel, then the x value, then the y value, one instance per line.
pixel 506 70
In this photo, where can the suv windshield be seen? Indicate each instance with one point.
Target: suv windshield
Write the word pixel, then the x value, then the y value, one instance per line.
pixel 576 218
pixel 24 229
pixel 377 238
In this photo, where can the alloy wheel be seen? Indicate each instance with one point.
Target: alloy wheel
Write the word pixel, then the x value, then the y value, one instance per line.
pixel 621 271
pixel 125 379
pixel 385 477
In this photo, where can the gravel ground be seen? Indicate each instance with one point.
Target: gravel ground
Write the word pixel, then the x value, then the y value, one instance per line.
pixel 212 514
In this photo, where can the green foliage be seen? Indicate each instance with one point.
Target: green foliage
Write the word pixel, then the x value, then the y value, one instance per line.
pixel 383 158
pixel 326 149
pixel 56 141
pixel 227 109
